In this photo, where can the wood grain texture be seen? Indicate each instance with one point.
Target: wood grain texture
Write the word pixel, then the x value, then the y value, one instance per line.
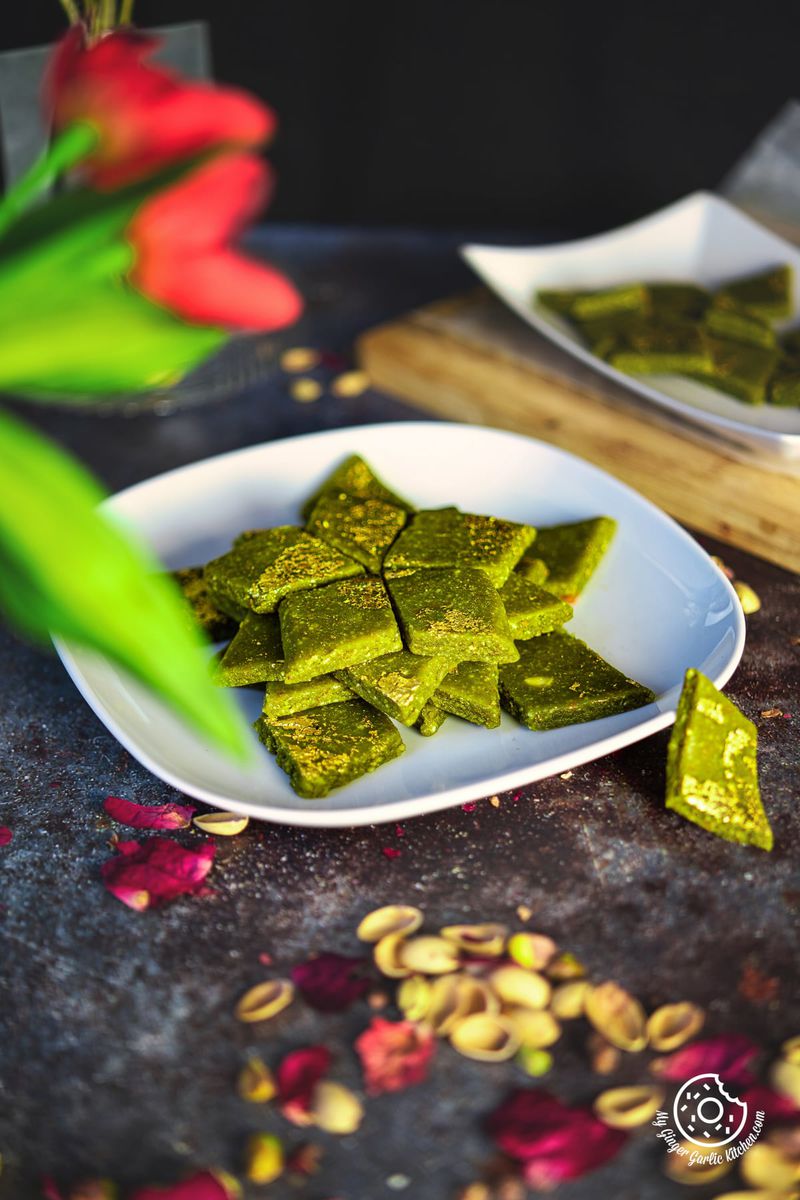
pixel 468 359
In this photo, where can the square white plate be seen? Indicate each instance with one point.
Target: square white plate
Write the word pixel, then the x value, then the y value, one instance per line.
pixel 702 239
pixel 656 606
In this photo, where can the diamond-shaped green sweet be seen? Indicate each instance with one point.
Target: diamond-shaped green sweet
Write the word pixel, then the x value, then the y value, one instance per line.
pixel 362 529
pixel 431 719
pixel 355 477
pixel 661 347
pixel 215 623
pixel 325 747
pixel 784 389
pixel 230 577
pixel 336 626
pixel 573 552
pixel 627 298
pixel 470 691
pixel 532 568
pixel 557 300
pixel 730 321
pixel 255 655
pixel 678 299
pixel 741 371
pixel 455 613
pixel 398 684
pixel 445 537
pixel 560 681
pixel 283 699
pixel 767 294
pixel 712 775
pixel 306 563
pixel 530 609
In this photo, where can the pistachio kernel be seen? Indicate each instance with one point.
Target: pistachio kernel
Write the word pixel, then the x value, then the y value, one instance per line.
pixel 604 1058
pixel 429 955
pixel 392 918
pixel 627 1107
pixel 568 999
pixel 221 824
pixel 387 956
pixel 617 1016
pixel 536 1029
pixel 299 358
pixel 481 940
pixel 350 383
pixel 748 598
pixel 414 997
pixel 305 391
pixel 684 1168
pixel 566 966
pixel 485 1037
pixel 784 1076
pixel 766 1165
pixel 790 1050
pixel 256 1082
pixel 672 1025
pixel 532 950
pixel 445 1006
pixel 515 985
pixel 265 1000
pixel 335 1108
pixel 263 1158
pixel 534 1062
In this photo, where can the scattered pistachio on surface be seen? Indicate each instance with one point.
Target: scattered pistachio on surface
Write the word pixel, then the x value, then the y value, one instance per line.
pixel 569 999
pixel 265 1000
pixel 414 997
pixel 536 1029
pixel 627 1107
pixel 350 383
pixel 534 1062
pixel 305 391
pixel 486 1037
pixel 672 1025
pixel 532 950
pixel 263 1158
pixel 429 955
pixel 387 956
pixel 518 986
pixel 483 940
pixel 392 918
pixel 617 1016
pixel 335 1108
pixel 299 358
pixel 748 598
pixel 222 824
pixel 256 1082
pixel 683 1169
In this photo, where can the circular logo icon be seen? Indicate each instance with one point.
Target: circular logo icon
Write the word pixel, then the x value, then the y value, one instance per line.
pixel 706 1114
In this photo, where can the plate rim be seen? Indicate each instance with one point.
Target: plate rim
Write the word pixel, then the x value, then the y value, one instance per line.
pixel 781 446
pixel 406 808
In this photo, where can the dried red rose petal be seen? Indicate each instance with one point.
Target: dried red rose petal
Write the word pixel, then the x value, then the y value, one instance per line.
pixel 394 1054
pixel 390 852
pixel 728 1055
pixel 296 1077
pixel 149 816
pixel 553 1141
pixel 206 1185
pixel 332 982
pixel 5 835
pixel 156 871
pixel 775 1107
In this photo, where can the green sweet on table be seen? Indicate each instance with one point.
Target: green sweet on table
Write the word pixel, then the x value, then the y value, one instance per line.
pixel 325 747
pixel 430 720
pixel 532 568
pixel 661 347
pixel 470 691
pixel 217 624
pixel 784 389
pixel 292 562
pixel 362 529
pixel 629 298
pixel 558 300
pixel 355 477
pixel 336 626
pixel 455 613
pixel 283 699
pixel 530 609
pixel 712 776
pixel 398 684
pixel 230 576
pixel 446 537
pixel 572 553
pixel 768 294
pixel 678 299
pixel 560 681
pixel 724 319
pixel 255 655
pixel 742 371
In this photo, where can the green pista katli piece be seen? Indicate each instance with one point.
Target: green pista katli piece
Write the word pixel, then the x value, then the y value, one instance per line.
pixel 629 298
pixel 784 389
pixel 790 346
pixel 294 564
pixel 230 577
pixel 530 609
pixel 573 552
pixel 216 624
pixel 454 613
pixel 742 371
pixel 431 719
pixel 325 747
pixel 255 655
pixel 730 321
pixel 712 775
pixel 678 299
pixel 355 477
pixel 336 626
pixel 532 568
pixel 557 300
pixel 362 529
pixel 661 347
pixel 283 699
pixel 560 681
pixel 398 684
pixel 767 294
pixel 470 691
pixel 446 537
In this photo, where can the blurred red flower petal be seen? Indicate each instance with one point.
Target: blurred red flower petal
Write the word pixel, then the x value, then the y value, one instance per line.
pixel 394 1055
pixel 728 1055
pixel 553 1141
pixel 203 1186
pixel 5 835
pixel 146 117
pixel 331 982
pixel 297 1076
pixel 149 816
pixel 775 1107
pixel 183 258
pixel 156 871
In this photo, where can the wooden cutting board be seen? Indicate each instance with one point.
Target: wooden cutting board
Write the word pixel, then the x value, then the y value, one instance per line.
pixel 471 359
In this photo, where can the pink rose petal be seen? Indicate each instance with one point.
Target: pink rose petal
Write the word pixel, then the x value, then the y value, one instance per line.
pixel 390 852
pixel 394 1055
pixel 331 982
pixel 149 816
pixel 5 835
pixel 203 1186
pixel 144 876
pixel 728 1055
pixel 553 1141
pixel 777 1109
pixel 297 1076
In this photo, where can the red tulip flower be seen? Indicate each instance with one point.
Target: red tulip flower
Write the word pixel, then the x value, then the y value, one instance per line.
pixel 184 260
pixel 144 117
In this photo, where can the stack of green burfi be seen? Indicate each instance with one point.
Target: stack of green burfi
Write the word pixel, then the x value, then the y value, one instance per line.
pixel 375 613
pixel 723 339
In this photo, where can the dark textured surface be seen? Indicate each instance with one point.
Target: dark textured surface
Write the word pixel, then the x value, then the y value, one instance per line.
pixel 118 1049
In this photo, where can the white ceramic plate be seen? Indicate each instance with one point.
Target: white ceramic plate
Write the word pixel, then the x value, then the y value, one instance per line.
pixel 656 606
pixel 701 238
